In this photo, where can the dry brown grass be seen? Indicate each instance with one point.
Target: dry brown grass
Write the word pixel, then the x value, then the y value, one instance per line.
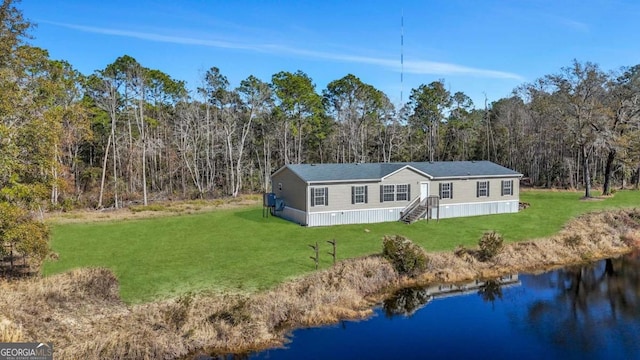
pixel 156 209
pixel 10 332
pixel 586 238
pixel 81 313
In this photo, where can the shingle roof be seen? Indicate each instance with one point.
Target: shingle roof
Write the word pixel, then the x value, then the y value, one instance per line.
pixel 377 171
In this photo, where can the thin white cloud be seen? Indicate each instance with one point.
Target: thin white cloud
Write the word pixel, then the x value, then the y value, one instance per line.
pixel 412 67
pixel 157 37
pixel 572 24
pixel 431 67
pixel 566 22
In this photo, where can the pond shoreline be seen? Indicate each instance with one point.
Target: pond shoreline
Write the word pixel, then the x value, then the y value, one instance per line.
pixel 82 314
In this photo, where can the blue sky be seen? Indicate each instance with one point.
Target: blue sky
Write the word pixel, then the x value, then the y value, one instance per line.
pixel 478 47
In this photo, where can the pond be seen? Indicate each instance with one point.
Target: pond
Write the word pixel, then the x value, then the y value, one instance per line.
pixel 578 312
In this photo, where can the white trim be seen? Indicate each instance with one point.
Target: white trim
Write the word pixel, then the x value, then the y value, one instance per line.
pixel 406 167
pixel 428 183
pixel 502 187
pixel 351 210
pixel 349 181
pixel 432 178
pixel 480 202
pixel 482 188
pixel 477 177
pixel 440 190
pixel 317 197
pixel 364 195
pixel 405 192
pixel 385 193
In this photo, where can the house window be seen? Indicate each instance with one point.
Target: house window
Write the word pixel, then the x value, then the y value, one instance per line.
pixel 446 190
pixel 482 189
pixel 507 187
pixel 359 195
pixel 319 196
pixel 402 192
pixel 388 192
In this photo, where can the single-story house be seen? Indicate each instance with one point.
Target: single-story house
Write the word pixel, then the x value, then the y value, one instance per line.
pixel 332 194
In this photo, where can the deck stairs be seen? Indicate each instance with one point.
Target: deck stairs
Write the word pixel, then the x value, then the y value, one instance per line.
pixel 415 211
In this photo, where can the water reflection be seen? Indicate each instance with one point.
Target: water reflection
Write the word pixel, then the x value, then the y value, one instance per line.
pixel 589 307
pixel 579 312
pixel 221 357
pixel 407 301
pixel 491 291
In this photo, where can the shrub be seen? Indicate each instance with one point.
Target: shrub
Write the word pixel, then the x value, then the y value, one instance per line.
pixel 154 207
pixel 178 313
pixel 635 215
pixel 463 253
pixel 22 232
pixel 490 245
pixel 573 240
pixel 405 256
pixel 218 202
pixel 460 250
pixel 67 204
pixel 234 314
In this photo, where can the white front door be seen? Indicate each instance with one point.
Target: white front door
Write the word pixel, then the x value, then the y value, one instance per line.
pixel 424 190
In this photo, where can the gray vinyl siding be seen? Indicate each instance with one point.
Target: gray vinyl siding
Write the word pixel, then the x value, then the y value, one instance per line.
pixel 340 197
pixel 294 190
pixel 465 201
pixel 340 210
pixel 340 194
pixel 404 176
pixel 465 191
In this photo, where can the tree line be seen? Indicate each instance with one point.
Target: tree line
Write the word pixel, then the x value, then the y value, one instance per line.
pixel 130 133
pixel 144 133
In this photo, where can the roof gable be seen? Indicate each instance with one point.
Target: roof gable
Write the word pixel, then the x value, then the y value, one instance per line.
pixel 407 167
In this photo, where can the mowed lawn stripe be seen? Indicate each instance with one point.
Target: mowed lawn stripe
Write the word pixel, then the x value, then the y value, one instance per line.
pixel 235 250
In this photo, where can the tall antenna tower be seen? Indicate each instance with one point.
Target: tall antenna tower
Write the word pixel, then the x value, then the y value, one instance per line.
pixel 401 55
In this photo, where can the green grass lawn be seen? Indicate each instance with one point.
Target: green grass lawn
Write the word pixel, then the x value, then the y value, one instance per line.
pixel 239 250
